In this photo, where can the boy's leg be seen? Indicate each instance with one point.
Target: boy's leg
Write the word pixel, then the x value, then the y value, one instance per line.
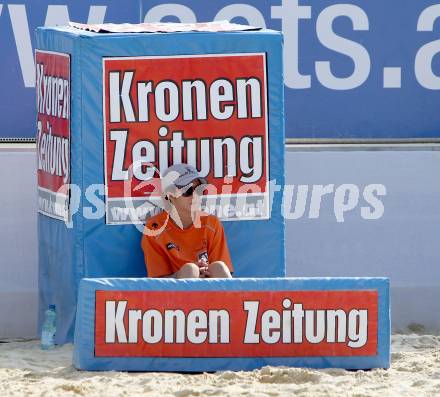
pixel 188 270
pixel 218 269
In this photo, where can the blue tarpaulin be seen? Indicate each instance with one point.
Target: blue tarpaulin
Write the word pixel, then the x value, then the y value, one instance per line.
pixel 91 248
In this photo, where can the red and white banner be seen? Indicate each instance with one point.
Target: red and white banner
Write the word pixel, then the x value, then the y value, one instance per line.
pixel 236 323
pixel 53 132
pixel 206 110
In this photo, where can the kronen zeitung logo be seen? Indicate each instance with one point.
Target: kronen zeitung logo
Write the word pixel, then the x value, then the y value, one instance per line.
pixel 209 111
pixel 192 100
pixel 53 133
pixel 53 97
pixel 289 323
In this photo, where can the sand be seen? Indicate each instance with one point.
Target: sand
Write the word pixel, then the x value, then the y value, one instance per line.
pixel 25 370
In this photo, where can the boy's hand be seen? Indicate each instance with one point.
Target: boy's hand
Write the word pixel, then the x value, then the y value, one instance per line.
pixel 203 265
pixel 204 272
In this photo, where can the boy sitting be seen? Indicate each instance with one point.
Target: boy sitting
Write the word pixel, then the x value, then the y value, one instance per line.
pixel 182 241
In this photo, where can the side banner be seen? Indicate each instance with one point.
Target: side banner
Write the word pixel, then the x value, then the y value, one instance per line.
pixel 53 132
pixel 236 323
pixel 206 110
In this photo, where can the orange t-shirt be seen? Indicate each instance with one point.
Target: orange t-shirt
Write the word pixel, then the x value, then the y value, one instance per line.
pixel 166 252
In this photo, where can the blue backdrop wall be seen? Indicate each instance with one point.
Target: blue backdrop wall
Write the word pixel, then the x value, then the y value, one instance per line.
pixel 353 69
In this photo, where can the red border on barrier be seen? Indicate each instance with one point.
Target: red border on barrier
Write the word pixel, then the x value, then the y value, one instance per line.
pixel 236 323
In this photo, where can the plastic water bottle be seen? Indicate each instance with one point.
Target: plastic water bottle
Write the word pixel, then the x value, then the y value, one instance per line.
pixel 49 328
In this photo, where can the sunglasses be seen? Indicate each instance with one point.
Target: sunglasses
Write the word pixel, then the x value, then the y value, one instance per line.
pixel 190 191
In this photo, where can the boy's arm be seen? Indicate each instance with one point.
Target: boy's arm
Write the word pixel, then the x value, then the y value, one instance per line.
pixel 219 250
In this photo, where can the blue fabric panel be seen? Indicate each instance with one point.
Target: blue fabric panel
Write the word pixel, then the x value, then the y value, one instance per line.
pixel 57 277
pixel 60 255
pixel 113 251
pixel 84 332
pixel 94 249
